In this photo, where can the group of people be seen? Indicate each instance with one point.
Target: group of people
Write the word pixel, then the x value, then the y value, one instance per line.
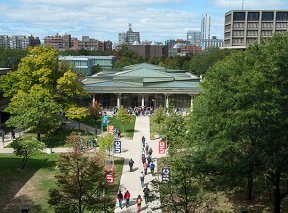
pixel 147 163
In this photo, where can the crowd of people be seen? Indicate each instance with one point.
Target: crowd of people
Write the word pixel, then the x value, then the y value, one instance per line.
pixel 147 163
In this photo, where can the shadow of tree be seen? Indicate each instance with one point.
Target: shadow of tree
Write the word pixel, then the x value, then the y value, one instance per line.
pixel 18 203
pixel 12 179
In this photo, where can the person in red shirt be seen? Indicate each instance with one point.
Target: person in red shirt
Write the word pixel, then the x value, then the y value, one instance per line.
pixel 127 198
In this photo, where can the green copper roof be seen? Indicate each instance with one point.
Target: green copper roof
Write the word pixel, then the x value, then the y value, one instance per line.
pixel 143 78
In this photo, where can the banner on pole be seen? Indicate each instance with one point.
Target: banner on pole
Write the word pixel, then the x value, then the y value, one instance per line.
pixel 117 146
pixel 110 177
pixel 111 129
pixel 165 175
pixel 162 147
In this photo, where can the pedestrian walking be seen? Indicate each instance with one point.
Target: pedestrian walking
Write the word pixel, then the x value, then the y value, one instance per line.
pixel 143 141
pixel 13 134
pixel 152 167
pixel 142 179
pixel 146 192
pixel 120 199
pixel 127 198
pixel 139 201
pixel 146 148
pixel 145 166
pixel 149 159
pixel 143 159
pixel 150 151
pixel 131 162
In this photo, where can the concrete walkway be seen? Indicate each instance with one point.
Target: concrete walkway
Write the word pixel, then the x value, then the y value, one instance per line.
pixel 131 180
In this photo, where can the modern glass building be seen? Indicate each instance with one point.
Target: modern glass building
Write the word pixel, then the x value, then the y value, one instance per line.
pixel 144 85
pixel 85 64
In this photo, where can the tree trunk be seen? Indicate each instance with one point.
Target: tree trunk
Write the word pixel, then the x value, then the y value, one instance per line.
pixel 249 187
pixel 277 193
pixel 38 136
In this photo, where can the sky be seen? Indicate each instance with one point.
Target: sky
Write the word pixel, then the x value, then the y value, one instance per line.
pixel 156 20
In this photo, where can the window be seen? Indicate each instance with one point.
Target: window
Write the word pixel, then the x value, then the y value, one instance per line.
pixel 282 16
pixel 239 16
pixel 253 16
pixel 267 16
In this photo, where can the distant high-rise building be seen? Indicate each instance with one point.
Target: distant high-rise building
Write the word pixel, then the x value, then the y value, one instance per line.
pixel 243 27
pixel 194 37
pixel 58 41
pixel 18 41
pixel 88 43
pixel 205 29
pixel 129 37
pixel 212 42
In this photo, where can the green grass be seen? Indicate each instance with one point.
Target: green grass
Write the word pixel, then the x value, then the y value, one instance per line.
pixel 89 120
pixel 12 179
pixel 128 128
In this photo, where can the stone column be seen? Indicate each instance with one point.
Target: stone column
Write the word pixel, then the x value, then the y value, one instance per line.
pixel 191 105
pixel 118 100
pixel 143 101
pixel 166 101
pixel 93 100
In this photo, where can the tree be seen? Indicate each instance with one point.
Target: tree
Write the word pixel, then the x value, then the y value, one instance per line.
pixel 94 110
pixel 77 113
pixel 240 119
pixel 158 117
pixel 26 148
pixel 97 68
pixel 123 116
pixel 11 57
pixel 35 111
pixel 105 143
pixel 185 190
pixel 80 182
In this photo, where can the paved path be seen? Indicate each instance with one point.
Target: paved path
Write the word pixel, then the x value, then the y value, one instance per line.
pixel 131 180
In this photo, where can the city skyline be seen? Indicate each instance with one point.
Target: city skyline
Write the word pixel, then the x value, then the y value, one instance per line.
pixel 156 20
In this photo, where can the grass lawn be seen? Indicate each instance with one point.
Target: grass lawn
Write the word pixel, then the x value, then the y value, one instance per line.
pixel 30 187
pixel 127 130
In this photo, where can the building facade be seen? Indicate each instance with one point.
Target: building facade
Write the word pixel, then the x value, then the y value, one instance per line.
pixel 129 37
pixel 244 27
pixel 194 37
pixel 149 51
pixel 205 29
pixel 59 42
pixel 85 64
pixel 144 85
pixel 18 41
pixel 213 42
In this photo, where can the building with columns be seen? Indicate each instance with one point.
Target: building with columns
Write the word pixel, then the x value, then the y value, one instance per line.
pixel 144 85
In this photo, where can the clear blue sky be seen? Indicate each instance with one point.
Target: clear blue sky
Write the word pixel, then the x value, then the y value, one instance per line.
pixel 156 20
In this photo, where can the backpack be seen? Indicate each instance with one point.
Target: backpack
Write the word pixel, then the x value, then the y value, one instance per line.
pixel 152 166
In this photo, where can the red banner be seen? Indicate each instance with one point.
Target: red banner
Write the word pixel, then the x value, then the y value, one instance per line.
pixel 111 129
pixel 162 147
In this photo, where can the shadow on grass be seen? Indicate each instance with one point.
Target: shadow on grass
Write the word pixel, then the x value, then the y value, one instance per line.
pixel 12 179
pixel 18 203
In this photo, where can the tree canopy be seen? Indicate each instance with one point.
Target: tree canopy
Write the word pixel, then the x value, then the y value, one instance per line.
pixel 240 119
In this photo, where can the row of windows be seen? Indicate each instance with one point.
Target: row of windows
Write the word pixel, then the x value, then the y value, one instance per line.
pixel 255 16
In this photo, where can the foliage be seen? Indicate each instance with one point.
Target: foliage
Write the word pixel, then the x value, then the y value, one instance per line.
pixel 35 111
pixel 94 110
pixel 105 142
pixel 123 116
pixel 159 117
pixel 200 63
pixel 126 57
pixel 11 57
pixel 239 120
pixel 185 190
pixel 81 181
pixel 76 113
pixel 174 129
pixel 97 68
pixel 27 148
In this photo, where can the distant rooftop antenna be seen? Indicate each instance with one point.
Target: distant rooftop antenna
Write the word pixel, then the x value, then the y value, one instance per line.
pixel 242 4
pixel 130 27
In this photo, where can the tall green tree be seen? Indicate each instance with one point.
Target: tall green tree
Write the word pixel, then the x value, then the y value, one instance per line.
pixel 35 111
pixel 241 116
pixel 159 117
pixel 11 57
pixel 77 113
pixel 80 182
pixel 123 116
